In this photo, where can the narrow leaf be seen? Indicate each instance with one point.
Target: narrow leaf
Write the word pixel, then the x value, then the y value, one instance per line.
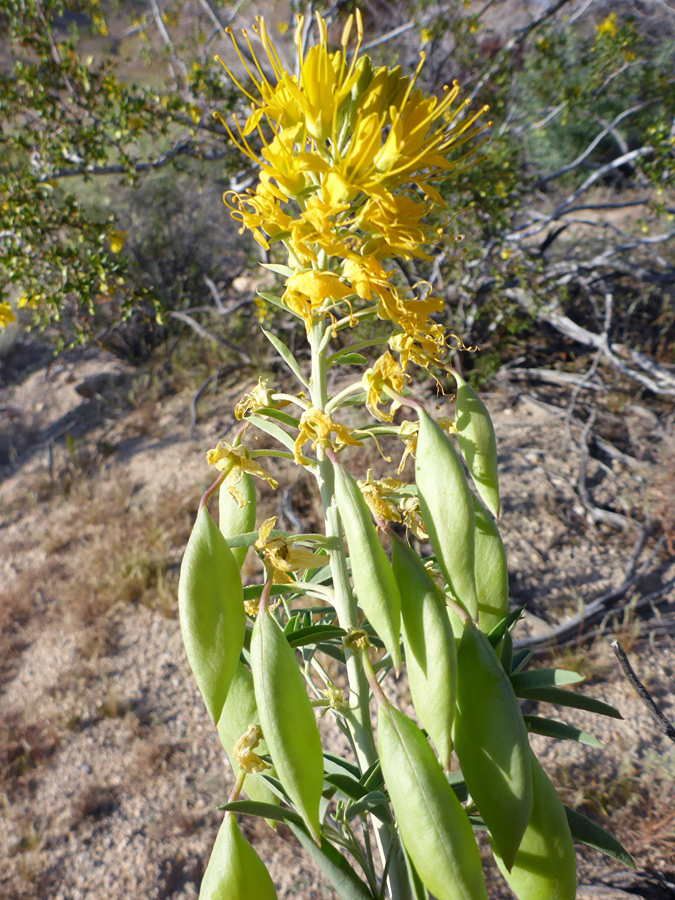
pixel 352 359
pixel 334 866
pixel 334 763
pixel 544 678
pixel 587 832
pixel 314 634
pixel 274 431
pixel 560 730
pixel 286 355
pixel 263 811
pixel 374 802
pixel 279 415
pixel 350 787
pixel 278 269
pixel 561 697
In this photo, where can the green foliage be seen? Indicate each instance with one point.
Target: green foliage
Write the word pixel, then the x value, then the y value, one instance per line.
pixel 69 119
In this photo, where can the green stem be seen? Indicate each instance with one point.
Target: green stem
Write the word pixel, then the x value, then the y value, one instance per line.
pixel 345 604
pixel 358 720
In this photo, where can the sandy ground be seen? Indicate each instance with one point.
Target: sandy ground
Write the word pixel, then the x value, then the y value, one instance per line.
pixel 109 769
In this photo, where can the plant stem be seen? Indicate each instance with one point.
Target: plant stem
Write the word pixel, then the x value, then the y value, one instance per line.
pixel 344 601
pixel 345 604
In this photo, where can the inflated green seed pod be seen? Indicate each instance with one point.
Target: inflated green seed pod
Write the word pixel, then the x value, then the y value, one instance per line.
pixel 211 610
pixel 476 436
pixel 491 742
pixel 447 509
pixel 238 713
pixel 545 865
pixel 492 574
pixel 287 719
pixel 233 519
pixel 235 871
pixel 374 583
pixel 430 655
pixel 435 829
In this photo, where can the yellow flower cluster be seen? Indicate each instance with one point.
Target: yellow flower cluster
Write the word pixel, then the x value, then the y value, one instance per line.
pixel 348 154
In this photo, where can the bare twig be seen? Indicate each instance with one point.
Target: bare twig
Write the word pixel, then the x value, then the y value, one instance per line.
pixel 657 714
pixel 608 129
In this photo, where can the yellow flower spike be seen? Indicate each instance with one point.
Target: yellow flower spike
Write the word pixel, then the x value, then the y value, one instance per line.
pixel 281 557
pixel 386 373
pixel 316 426
pixel 243 751
pixel 235 461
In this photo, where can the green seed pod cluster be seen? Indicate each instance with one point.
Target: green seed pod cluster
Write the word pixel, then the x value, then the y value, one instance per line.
pixel 374 582
pixel 477 441
pixel 491 742
pixel 492 574
pixel 234 519
pixel 447 507
pixel 211 610
pixel 545 864
pixel 287 719
pixel 431 660
pixel 239 712
pixel 235 871
pixel 435 829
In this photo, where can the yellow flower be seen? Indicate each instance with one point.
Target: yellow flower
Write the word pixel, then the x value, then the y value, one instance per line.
pixel 235 461
pixel 348 159
pixel 316 426
pixel 426 35
pixel 609 26
pixel 281 557
pixel 6 314
pixel 117 240
pixel 309 292
pixel 386 373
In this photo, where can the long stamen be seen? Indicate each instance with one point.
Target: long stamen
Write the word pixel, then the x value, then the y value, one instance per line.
pixel 254 100
pixel 243 61
pixel 261 30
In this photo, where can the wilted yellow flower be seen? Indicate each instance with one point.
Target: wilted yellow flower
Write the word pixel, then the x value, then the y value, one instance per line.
pixel 386 373
pixel 281 557
pixel 412 517
pixel 260 396
pixel 408 433
pixel 243 751
pixel 316 426
pixel 380 497
pixel 235 461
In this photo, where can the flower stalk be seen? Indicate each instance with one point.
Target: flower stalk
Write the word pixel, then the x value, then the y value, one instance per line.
pixel 350 158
